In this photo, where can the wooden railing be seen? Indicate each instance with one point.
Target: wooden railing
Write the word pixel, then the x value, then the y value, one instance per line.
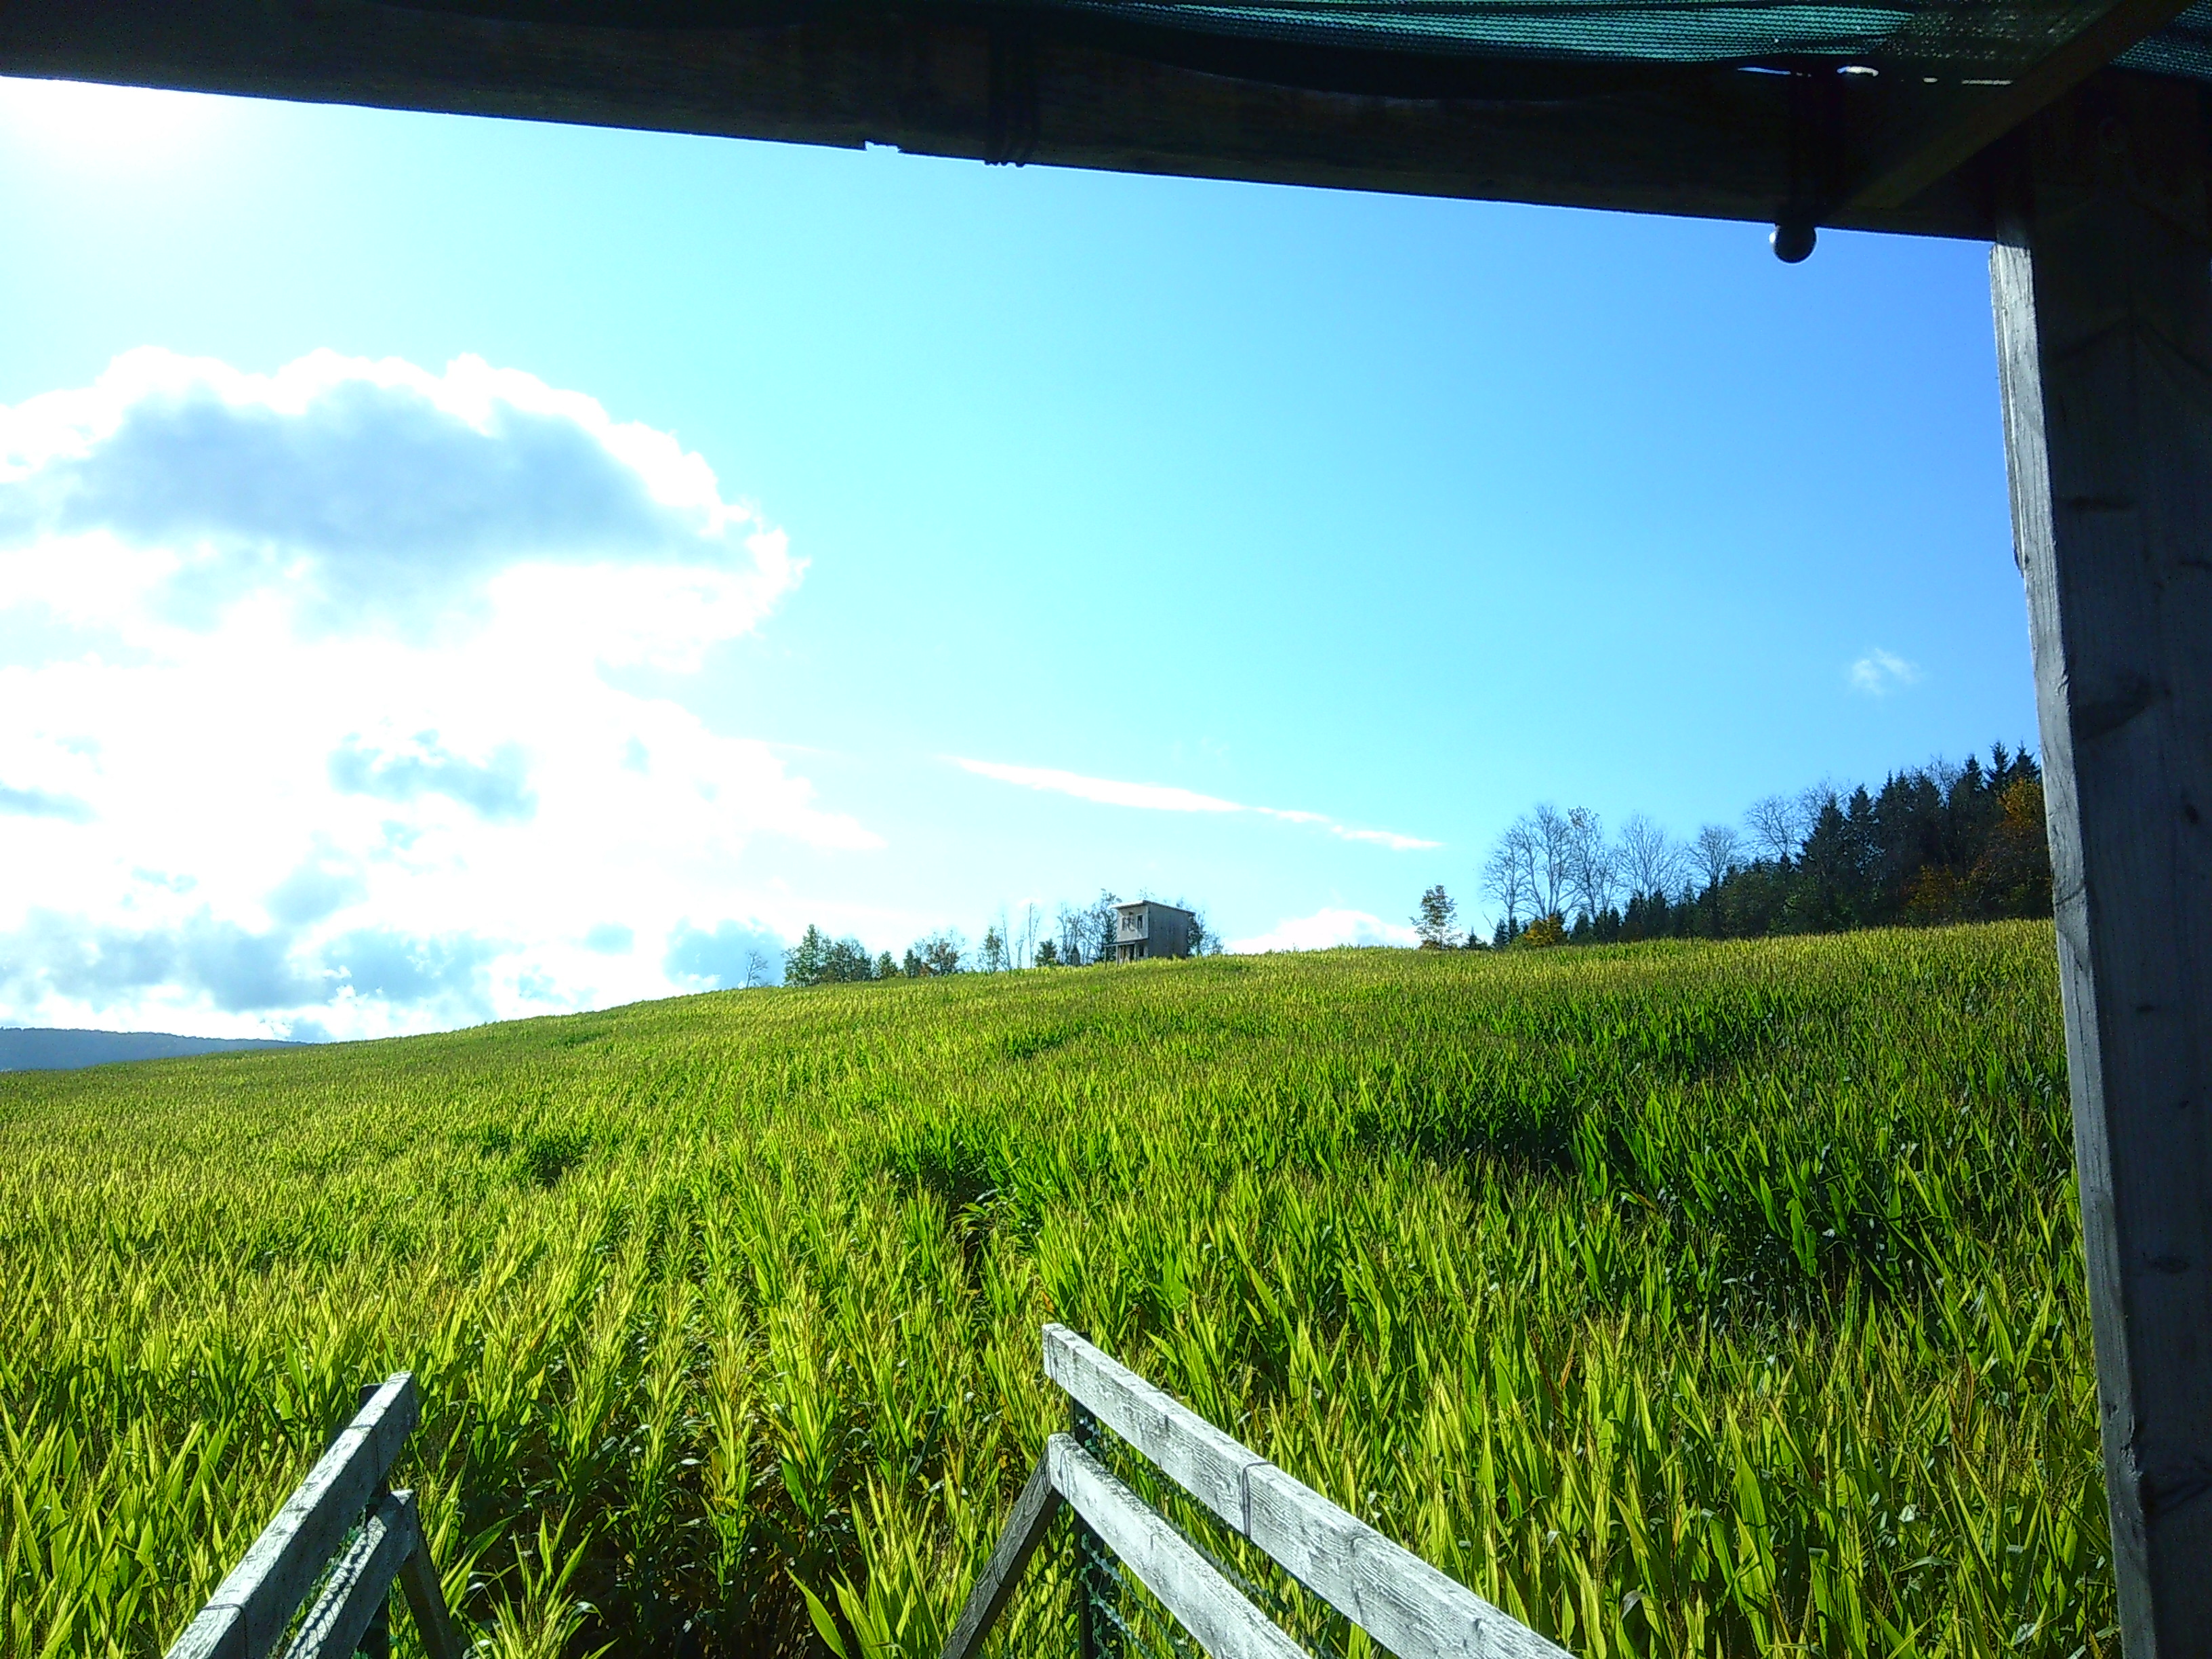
pixel 1407 1606
pixel 343 1526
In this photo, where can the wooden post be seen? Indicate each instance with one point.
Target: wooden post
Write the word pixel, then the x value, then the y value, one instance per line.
pixel 1092 1639
pixel 376 1640
pixel 1026 1529
pixel 2102 286
pixel 425 1599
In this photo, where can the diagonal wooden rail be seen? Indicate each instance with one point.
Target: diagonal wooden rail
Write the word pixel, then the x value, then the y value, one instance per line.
pixel 1407 1606
pixel 341 1526
pixel 2098 33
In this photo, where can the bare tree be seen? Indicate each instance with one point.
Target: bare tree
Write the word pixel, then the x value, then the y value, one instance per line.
pixel 1508 875
pixel 1814 800
pixel 1591 877
pixel 757 969
pixel 1104 926
pixel 1714 853
pixel 1086 935
pixel 1025 938
pixel 1944 773
pixel 1650 859
pixel 1773 822
pixel 1553 838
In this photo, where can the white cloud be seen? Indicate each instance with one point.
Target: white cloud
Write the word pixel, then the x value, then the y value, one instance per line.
pixel 1166 797
pixel 1324 930
pixel 376 496
pixel 306 719
pixel 1880 672
pixel 1147 797
pixel 1390 838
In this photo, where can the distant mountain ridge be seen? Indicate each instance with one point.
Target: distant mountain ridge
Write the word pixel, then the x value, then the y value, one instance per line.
pixel 56 1050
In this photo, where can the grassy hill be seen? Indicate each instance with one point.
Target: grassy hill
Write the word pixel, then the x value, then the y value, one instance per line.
pixel 1679 1299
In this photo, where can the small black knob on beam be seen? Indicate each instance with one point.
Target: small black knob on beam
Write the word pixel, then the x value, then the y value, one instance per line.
pixel 1792 240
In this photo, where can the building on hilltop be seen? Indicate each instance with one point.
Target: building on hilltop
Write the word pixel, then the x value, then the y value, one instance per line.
pixel 1144 929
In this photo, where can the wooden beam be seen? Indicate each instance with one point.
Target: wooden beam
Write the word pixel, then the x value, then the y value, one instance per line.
pixel 426 1601
pixel 1407 1605
pixel 1711 141
pixel 1189 1450
pixel 359 1583
pixel 1189 1586
pixel 1985 114
pixel 1026 1529
pixel 249 1610
pixel 2102 290
pixel 1410 1608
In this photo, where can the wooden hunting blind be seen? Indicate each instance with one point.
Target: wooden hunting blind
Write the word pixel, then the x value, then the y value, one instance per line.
pixel 2070 134
pixel 1143 929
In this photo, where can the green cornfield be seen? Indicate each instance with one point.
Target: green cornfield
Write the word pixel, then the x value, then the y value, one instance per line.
pixel 1682 1299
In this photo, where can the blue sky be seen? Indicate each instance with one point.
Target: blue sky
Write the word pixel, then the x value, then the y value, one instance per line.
pixel 727 536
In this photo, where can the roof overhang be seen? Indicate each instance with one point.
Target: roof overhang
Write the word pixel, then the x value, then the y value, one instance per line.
pixel 1876 151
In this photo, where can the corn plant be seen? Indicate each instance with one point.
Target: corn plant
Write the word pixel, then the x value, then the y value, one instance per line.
pixel 1682 1299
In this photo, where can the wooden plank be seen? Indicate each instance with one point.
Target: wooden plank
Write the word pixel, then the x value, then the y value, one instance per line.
pixel 1689 139
pixel 1206 1604
pixel 249 1610
pixel 1403 1603
pixel 1091 1582
pixel 426 1601
pixel 1985 114
pixel 359 1583
pixel 1026 1529
pixel 2102 290
pixel 1189 1450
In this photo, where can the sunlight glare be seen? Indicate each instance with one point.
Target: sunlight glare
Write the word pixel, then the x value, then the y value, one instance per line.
pixel 109 130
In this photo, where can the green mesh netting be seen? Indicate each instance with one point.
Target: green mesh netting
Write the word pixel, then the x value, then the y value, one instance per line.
pixel 1950 36
pixel 2183 47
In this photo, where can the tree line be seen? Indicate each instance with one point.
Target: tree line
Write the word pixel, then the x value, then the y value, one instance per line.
pixel 1077 936
pixel 1935 843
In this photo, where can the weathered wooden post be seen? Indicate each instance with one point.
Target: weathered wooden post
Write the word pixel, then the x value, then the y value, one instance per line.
pixel 1093 1640
pixel 344 1527
pixel 2102 286
pixel 376 1640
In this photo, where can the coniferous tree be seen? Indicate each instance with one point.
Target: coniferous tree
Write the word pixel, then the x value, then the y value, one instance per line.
pixel 803 963
pixel 1935 843
pixel 1436 922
